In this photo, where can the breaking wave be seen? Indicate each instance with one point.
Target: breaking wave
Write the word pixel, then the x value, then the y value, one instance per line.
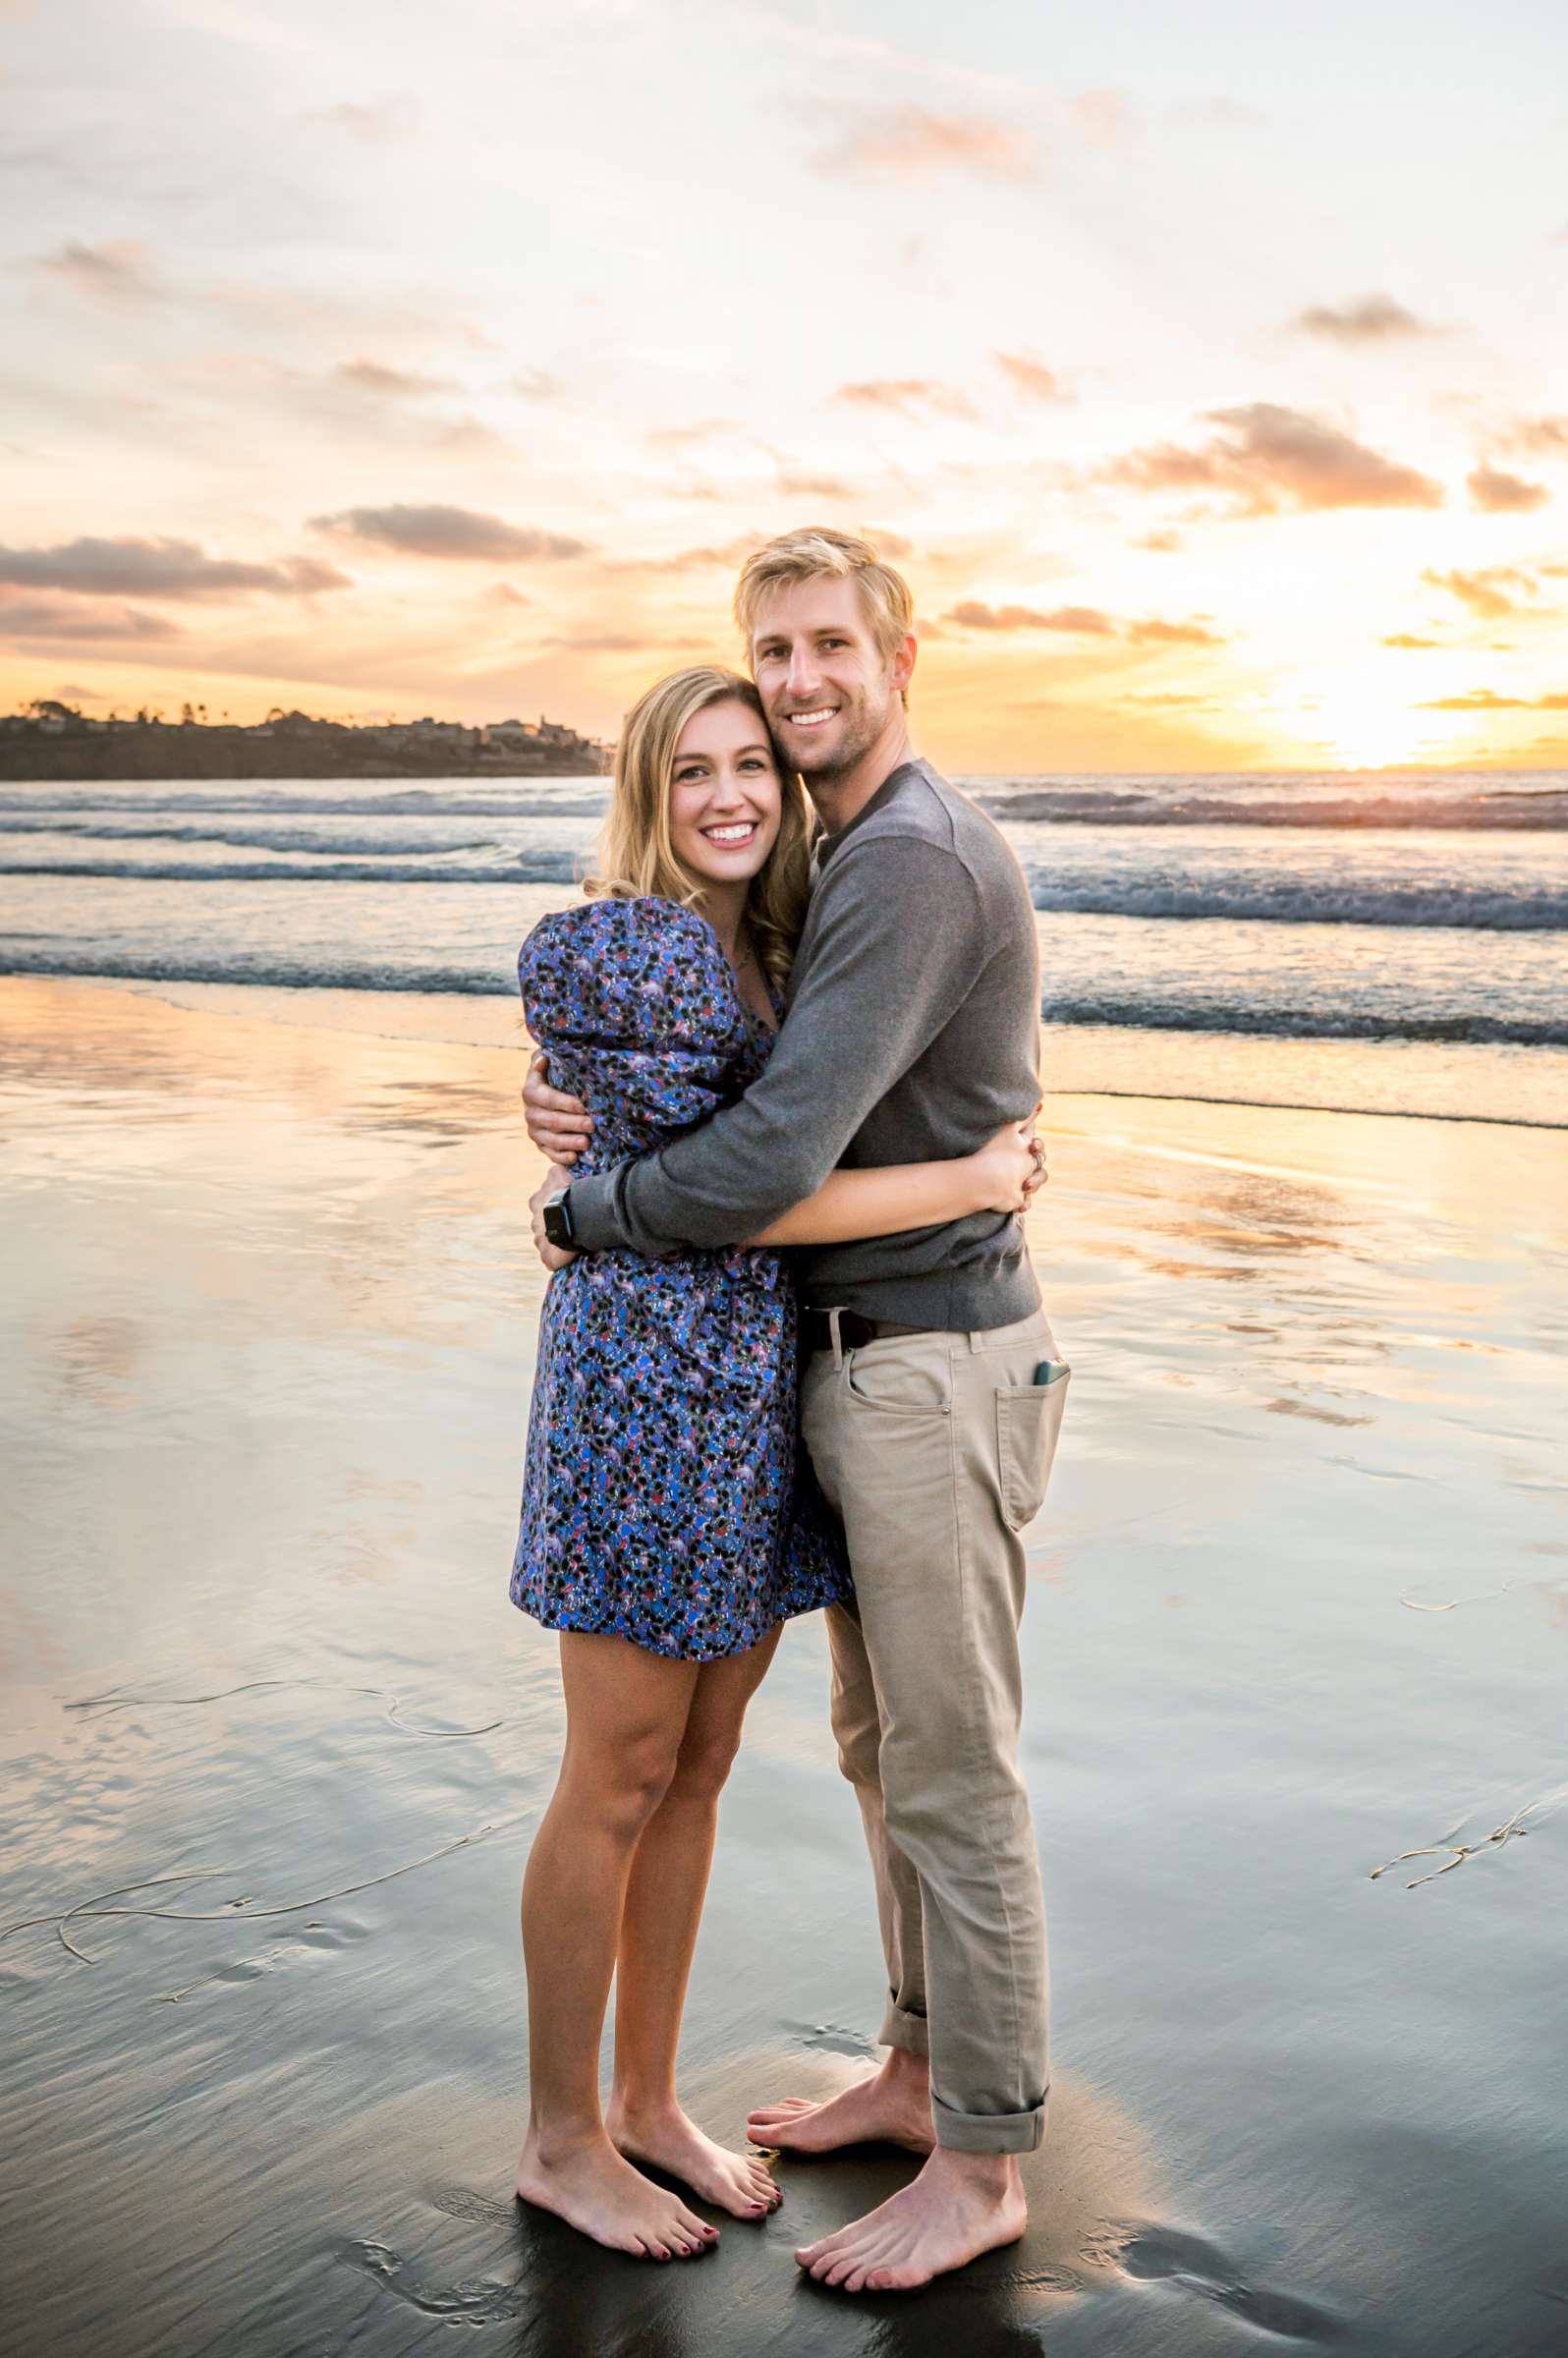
pixel 1171 1011
pixel 1285 898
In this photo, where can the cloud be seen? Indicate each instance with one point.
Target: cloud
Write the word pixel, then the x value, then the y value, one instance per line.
pixel 1163 543
pixel 1500 494
pixel 676 437
pixel 1103 117
pixel 403 384
pixel 538 384
pixel 133 568
pixel 503 594
pixel 1283 454
pixel 1486 592
pixel 1192 703
pixel 467 435
pixel 1370 319
pixel 1270 458
pixel 1030 377
pixel 438 531
pixel 381 123
pixel 1084 621
pixel 1090 622
pixel 814 486
pixel 1537 437
pixel 46 618
pixel 1166 467
pixel 694 560
pixel 912 143
pixel 1404 639
pixel 601 643
pixel 618 643
pixel 907 396
pixel 114 272
pixel 1155 633
pixel 1486 699
pixel 889 545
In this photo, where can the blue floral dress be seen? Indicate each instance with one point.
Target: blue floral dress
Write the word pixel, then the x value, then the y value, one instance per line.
pixel 665 1497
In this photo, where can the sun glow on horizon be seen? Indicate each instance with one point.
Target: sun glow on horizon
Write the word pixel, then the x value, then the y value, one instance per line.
pixel 1362 721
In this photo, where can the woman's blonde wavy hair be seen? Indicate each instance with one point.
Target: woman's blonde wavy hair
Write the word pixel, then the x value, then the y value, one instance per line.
pixel 636 856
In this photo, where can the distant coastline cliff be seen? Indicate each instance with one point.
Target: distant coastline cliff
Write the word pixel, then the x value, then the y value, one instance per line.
pixel 54 740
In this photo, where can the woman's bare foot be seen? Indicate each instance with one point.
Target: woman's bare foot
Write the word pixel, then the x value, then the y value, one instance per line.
pixel 593 2189
pixel 671 2141
pixel 893 2106
pixel 960 2206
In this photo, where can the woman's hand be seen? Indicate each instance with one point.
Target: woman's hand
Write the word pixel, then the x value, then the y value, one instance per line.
pixel 1010 1168
pixel 554 1256
pixel 559 1126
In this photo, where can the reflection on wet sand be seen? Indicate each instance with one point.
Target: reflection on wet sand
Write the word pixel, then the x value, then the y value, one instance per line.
pixel 270 1320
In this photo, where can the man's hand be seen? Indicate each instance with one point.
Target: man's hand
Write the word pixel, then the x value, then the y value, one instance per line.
pixel 559 1126
pixel 554 1256
pixel 1039 1175
pixel 1010 1168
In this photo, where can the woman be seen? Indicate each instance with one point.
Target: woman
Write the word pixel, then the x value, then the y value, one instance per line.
pixel 668 1530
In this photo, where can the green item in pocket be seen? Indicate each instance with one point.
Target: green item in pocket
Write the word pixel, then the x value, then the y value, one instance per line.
pixel 1050 1369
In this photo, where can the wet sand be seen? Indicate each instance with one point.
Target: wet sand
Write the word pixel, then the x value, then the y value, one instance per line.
pixel 1300 1605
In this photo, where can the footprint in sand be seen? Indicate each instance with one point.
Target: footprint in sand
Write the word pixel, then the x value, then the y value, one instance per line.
pixel 833 2038
pixel 465 2202
pixel 481 2303
pixel 1163 2252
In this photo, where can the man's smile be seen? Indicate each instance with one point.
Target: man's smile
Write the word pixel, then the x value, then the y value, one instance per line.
pixel 811 719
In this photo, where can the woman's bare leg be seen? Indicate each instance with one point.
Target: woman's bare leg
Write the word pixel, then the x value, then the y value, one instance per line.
pixel 658 1932
pixel 627 1712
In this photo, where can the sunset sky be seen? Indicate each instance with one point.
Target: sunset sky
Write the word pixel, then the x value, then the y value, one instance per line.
pixel 1204 367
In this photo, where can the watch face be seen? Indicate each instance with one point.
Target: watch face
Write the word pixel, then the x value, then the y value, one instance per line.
pixel 558 1223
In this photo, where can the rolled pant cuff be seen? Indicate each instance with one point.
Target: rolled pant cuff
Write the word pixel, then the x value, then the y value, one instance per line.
pixel 901 2028
pixel 989 2132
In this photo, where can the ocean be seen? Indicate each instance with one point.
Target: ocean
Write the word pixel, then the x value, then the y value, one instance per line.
pixel 1374 942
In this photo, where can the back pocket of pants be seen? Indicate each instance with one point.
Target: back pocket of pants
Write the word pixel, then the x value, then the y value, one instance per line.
pixel 1029 1418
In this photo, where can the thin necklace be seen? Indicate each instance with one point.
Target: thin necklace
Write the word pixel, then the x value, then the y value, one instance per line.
pixel 739 958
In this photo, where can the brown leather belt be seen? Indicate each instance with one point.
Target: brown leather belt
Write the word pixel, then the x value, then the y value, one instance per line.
pixel 855 1329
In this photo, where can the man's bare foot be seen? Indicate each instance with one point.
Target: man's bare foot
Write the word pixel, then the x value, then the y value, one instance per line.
pixel 588 2185
pixel 673 2141
pixel 893 2106
pixel 960 2206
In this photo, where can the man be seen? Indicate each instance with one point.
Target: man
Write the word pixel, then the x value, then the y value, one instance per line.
pixel 927 1402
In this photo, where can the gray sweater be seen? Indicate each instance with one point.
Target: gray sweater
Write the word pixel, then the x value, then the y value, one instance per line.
pixel 912 1034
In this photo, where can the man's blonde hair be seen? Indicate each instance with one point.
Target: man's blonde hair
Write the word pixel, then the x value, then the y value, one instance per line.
pixel 808 555
pixel 637 853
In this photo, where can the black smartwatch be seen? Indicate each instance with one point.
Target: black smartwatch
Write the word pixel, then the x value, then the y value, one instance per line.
pixel 558 1229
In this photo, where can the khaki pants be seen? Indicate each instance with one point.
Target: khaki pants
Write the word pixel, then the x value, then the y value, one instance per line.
pixel 935 1450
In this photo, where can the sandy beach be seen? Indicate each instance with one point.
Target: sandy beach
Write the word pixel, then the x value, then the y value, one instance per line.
pixel 275 1738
